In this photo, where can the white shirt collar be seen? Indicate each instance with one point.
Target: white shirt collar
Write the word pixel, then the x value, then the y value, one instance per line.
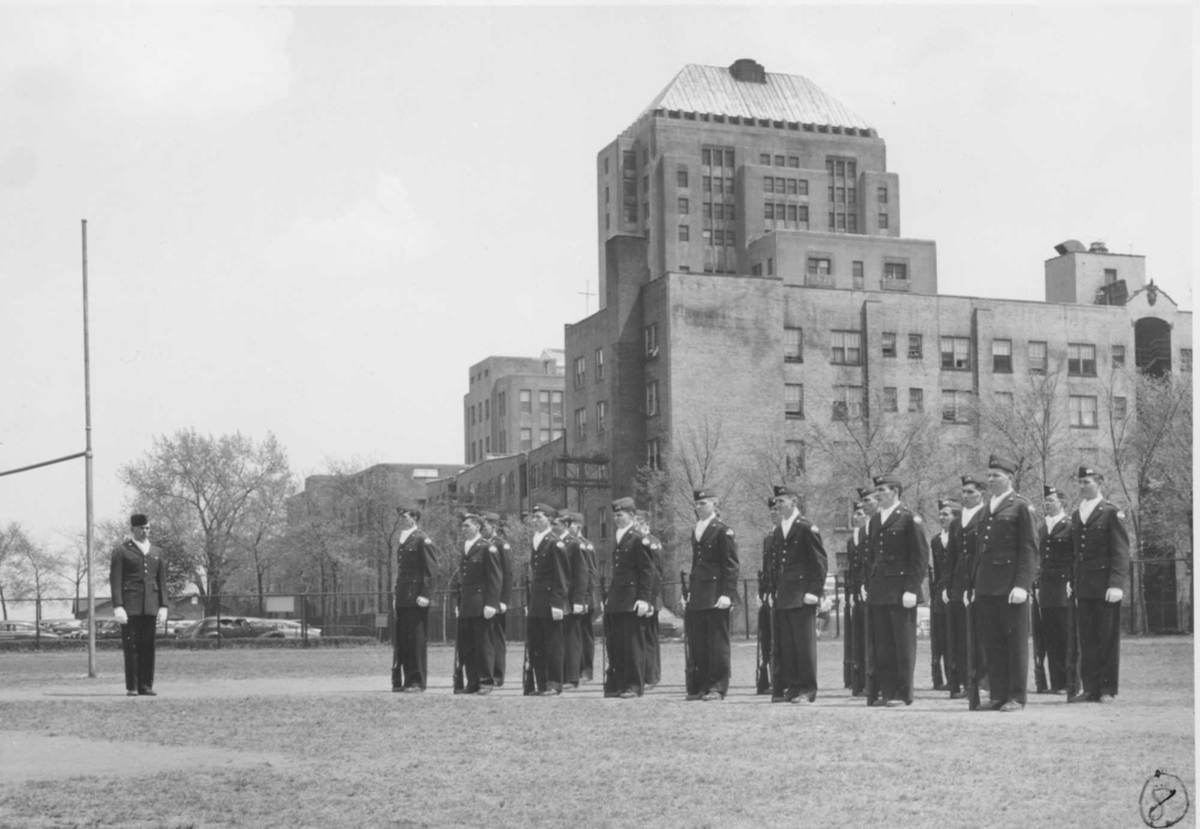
pixel 539 537
pixel 969 512
pixel 621 532
pixel 404 534
pixel 885 514
pixel 1086 507
pixel 469 543
pixel 701 526
pixel 855 534
pixel 996 499
pixel 144 546
pixel 944 535
pixel 786 524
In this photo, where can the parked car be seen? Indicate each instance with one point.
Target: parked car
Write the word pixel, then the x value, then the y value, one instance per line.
pixel 105 629
pixel 225 627
pixel 283 629
pixel 14 629
pixel 63 626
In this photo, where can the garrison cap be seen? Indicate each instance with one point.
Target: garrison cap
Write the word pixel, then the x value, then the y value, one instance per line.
pixel 950 503
pixel 624 505
pixel 546 510
pixel 410 511
pixel 470 516
pixel 574 517
pixel 138 520
pixel 785 492
pixel 702 495
pixel 887 480
pixel 1087 472
pixel 1047 491
pixel 863 491
pixel 972 480
pixel 1002 463
pixel 491 517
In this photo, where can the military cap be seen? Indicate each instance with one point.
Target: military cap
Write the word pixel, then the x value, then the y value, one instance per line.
pixel 624 505
pixel 1087 472
pixel 470 516
pixel 887 480
pixel 410 511
pixel 863 491
pixel 1002 463
pixel 546 510
pixel 702 495
pixel 785 492
pixel 641 515
pixel 138 520
pixel 859 505
pixel 950 503
pixel 574 517
pixel 1047 491
pixel 972 480
pixel 491 517
pixel 771 501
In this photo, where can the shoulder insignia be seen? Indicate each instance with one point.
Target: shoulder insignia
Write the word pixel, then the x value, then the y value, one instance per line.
pixel 507 546
pixel 561 546
pixel 656 547
pixel 491 548
pixel 728 531
pixel 645 541
pixel 1121 514
pixel 917 519
pixel 427 542
pixel 816 529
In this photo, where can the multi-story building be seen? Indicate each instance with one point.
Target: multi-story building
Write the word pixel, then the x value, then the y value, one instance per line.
pixel 763 319
pixel 512 404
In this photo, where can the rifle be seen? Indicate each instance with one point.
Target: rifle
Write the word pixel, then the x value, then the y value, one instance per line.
pixel 529 687
pixel 972 678
pixel 1039 645
pixel 458 632
pixel 610 678
pixel 848 666
pixel 763 674
pixel 1074 682
pixel 689 668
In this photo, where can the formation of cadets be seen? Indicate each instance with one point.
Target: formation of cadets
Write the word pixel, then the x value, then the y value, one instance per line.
pixel 992 574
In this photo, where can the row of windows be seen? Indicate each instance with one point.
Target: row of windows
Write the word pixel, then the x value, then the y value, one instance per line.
pixel 581 368
pixel 581 420
pixel 786 186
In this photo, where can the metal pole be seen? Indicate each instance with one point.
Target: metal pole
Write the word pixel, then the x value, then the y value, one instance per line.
pixel 87 428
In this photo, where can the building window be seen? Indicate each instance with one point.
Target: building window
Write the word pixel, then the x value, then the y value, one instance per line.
pixel 1002 356
pixel 503 447
pixel 603 521
pixel 890 399
pixel 956 354
pixel 525 401
pixel 1037 357
pixel 471 414
pixel 856 271
pixel 653 454
pixel 652 398
pixel 543 436
pixel 601 416
pixel 580 372
pixel 683 205
pixel 1081 360
pixel 889 343
pixel 556 409
pixel 916 400
pixel 685 233
pixel 1119 408
pixel 794 452
pixel 1110 276
pixel 846 348
pixel 580 423
pixel 956 406
pixel 681 178
pixel 526 440
pixel 768 184
pixel 779 162
pixel 650 339
pixel 847 402
pixel 599 364
pixel 793 400
pixel 487 410
pixel 487 444
pixel 793 161
pixel 883 221
pixel 895 276
pixel 764 159
pixel 1185 360
pixel 882 195
pixel 1118 356
pixel 916 347
pixel 820 271
pixel 1083 411
pixel 793 344
pixel 769 211
pixel 770 266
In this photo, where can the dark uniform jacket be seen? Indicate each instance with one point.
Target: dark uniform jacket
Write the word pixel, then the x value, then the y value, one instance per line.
pixel 589 559
pixel 855 567
pixel 898 556
pixel 548 576
pixel 800 562
pixel 1007 553
pixel 505 551
pixel 480 578
pixel 660 575
pixel 714 567
pixel 416 563
pixel 939 575
pixel 138 582
pixel 1056 549
pixel 577 576
pixel 1101 552
pixel 632 573
pixel 964 546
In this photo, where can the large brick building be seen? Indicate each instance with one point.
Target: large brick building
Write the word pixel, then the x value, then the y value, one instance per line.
pixel 512 404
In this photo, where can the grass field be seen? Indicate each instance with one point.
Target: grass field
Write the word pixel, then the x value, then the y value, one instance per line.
pixel 315 738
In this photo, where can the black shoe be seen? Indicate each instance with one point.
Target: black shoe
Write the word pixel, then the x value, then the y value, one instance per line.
pixel 549 692
pixel 1011 705
pixel 958 695
pixel 694 697
pixel 131 693
pixel 146 692
pixel 713 696
pixel 1106 699
pixel 484 690
pixel 627 694
pixel 779 698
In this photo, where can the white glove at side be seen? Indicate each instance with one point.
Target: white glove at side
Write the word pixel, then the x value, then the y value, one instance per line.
pixel 723 603
pixel 966 598
pixel 577 609
pixel 945 597
pixel 503 607
pixel 641 608
pixel 120 615
pixel 556 614
pixel 909 600
pixel 162 616
pixel 422 601
pixel 1113 595
pixel 1018 595
pixel 809 598
pixel 862 592
pixel 488 611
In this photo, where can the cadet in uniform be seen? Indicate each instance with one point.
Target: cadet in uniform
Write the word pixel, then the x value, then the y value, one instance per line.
pixel 650 644
pixel 547 602
pixel 899 554
pixel 416 563
pixel 494 532
pixel 1057 555
pixel 587 638
pixel 857 551
pixel 576 601
pixel 800 567
pixel 1101 578
pixel 480 576
pixel 766 590
pixel 939 585
pixel 712 587
pixel 964 536
pixel 138 581
pixel 1004 570
pixel 629 602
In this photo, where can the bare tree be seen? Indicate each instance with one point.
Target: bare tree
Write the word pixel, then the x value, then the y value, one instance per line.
pixel 15 579
pixel 1030 427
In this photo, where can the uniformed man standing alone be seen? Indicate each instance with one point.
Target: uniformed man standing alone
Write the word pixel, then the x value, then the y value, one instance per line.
pixel 800 567
pixel 416 563
pixel 138 581
pixel 1004 569
pixel 711 588
pixel 480 577
pixel 1101 578
pixel 899 554
pixel 547 602
pixel 1057 554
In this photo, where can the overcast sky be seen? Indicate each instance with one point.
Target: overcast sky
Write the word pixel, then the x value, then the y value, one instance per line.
pixel 311 221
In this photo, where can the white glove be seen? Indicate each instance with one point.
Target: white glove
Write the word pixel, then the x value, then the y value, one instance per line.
pixel 422 601
pixel 862 591
pixel 945 597
pixel 162 616
pixel 456 611
pixel 1018 595
pixel 723 603
pixel 682 603
pixel 526 609
pixel 809 598
pixel 1037 594
pixel 966 598
pixel 556 614
pixel 577 609
pixel 641 608
pixel 909 600
pixel 503 607
pixel 488 611
pixel 120 615
pixel 1069 590
pixel 1113 595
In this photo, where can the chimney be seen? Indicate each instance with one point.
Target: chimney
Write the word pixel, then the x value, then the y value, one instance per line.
pixel 1098 247
pixel 748 70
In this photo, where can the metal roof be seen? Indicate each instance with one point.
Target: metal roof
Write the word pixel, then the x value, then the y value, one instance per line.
pixel 714 90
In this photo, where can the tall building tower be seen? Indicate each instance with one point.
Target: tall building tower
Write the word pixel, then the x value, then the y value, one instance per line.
pixel 512 404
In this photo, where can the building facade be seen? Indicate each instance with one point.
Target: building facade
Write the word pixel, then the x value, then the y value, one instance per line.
pixel 512 405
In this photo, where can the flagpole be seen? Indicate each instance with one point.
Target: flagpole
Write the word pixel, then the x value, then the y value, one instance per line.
pixel 87 414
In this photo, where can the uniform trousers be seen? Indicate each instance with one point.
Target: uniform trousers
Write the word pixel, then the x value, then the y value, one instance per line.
pixel 137 641
pixel 956 651
pixel 708 646
pixel 409 647
pixel 894 640
pixel 1099 626
pixel 939 651
pixel 499 634
pixel 1003 630
pixel 572 645
pixel 1054 635
pixel 475 651
pixel 858 642
pixel 796 630
pixel 587 647
pixel 546 652
pixel 652 668
pixel 764 647
pixel 625 641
